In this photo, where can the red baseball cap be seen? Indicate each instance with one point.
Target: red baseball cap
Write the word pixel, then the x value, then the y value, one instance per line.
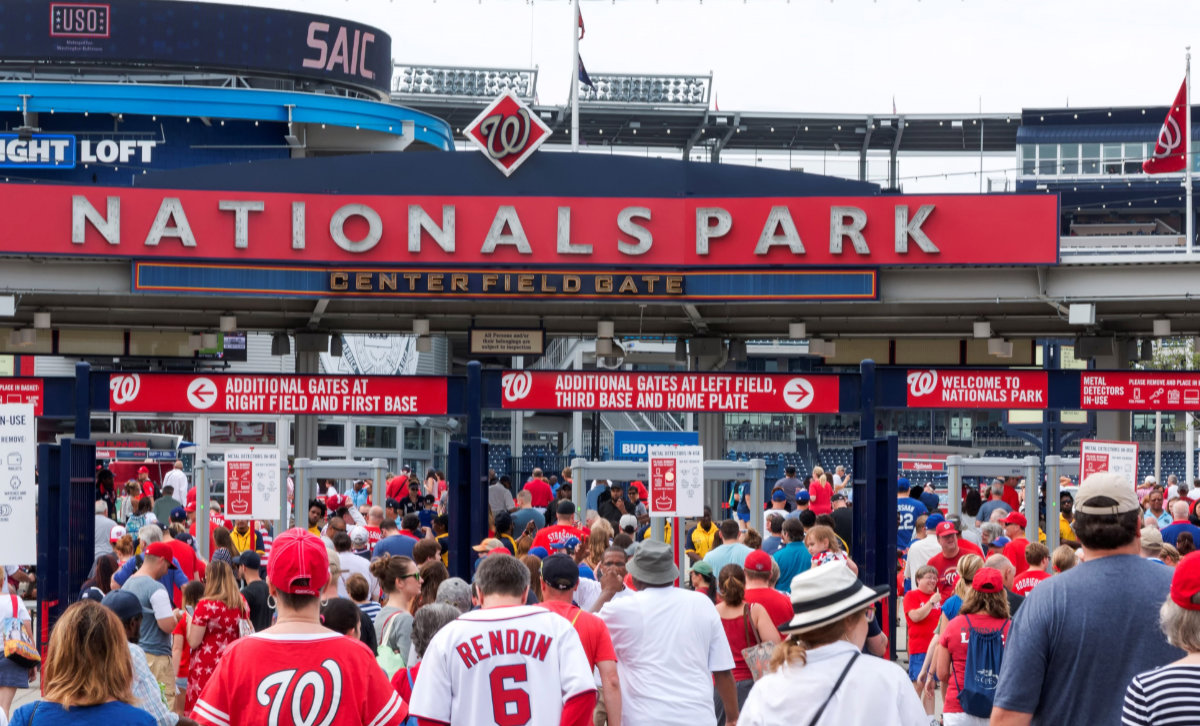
pixel 946 528
pixel 758 561
pixel 143 470
pixel 1185 585
pixel 160 549
pixel 191 506
pixel 988 579
pixel 333 502
pixel 191 496
pixel 1016 518
pixel 299 563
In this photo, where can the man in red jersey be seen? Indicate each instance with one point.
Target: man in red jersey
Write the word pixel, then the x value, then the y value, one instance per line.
pixel 297 672
pixel 562 531
pixel 946 562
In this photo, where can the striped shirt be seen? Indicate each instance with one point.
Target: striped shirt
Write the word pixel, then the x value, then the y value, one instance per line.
pixel 1167 696
pixel 146 692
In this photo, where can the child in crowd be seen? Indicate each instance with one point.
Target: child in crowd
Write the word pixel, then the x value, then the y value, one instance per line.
pixel 127 503
pixel 360 592
pixel 824 546
pixel 181 652
pixel 140 518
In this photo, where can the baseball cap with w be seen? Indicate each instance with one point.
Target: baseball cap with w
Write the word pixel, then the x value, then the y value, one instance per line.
pixel 299 564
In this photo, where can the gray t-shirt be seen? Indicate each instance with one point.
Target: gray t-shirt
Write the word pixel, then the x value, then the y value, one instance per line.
pixel 153 640
pixel 500 499
pixel 104 527
pixel 1081 637
pixel 400 635
pixel 985 512
pixel 522 517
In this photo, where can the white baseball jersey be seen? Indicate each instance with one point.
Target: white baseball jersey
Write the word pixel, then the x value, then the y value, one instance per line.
pixel 509 666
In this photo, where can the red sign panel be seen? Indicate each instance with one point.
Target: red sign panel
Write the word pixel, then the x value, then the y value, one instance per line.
pixel 447 231
pixel 278 395
pixel 663 486
pixel 700 392
pixel 239 487
pixel 1139 391
pixel 949 388
pixel 23 390
pixel 1093 462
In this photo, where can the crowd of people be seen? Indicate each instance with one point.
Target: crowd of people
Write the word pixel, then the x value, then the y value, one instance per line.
pixel 572 614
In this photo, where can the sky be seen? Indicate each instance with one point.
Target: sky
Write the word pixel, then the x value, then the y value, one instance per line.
pixel 818 56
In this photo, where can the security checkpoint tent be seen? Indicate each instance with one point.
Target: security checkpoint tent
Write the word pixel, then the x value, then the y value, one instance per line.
pixel 583 471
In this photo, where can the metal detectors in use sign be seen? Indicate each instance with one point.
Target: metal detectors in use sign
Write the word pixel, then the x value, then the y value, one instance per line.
pixel 252 483
pixel 1118 457
pixel 949 388
pixel 1139 391
pixel 701 392
pixel 23 390
pixel 281 395
pixel 676 481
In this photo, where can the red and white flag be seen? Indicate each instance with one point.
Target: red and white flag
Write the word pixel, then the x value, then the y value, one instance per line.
pixel 581 30
pixel 1171 150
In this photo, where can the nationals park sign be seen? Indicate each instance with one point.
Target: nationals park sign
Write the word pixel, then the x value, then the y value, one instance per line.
pixel 525 247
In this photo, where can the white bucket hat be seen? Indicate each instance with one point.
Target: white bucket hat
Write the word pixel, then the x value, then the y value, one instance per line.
pixel 826 593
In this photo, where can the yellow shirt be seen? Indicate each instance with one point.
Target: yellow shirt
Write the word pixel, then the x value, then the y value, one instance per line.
pixel 666 532
pixel 1065 532
pixel 246 543
pixel 446 555
pixel 702 540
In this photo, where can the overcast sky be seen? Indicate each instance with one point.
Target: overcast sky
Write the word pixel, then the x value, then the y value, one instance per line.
pixel 820 56
pixel 817 55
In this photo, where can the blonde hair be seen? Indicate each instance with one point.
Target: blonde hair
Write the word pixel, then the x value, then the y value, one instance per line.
pixel 818 472
pixel 823 533
pixel 221 586
pixel 794 648
pixel 967 567
pixel 598 539
pixel 1063 558
pixel 994 604
pixel 87 661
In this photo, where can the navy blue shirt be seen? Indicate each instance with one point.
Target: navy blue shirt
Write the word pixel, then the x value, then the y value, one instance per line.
pixel 1170 533
pixel 395 545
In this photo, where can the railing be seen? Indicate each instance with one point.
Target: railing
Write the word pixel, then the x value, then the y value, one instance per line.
pixel 1107 244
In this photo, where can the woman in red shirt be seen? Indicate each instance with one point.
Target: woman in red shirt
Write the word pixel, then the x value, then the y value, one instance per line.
pixel 213 627
pixel 922 609
pixel 820 492
pixel 984 610
pixel 745 625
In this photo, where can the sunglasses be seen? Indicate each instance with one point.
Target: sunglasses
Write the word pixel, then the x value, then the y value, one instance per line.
pixel 415 575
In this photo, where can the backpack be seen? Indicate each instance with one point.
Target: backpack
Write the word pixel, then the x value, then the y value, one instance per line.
pixel 985 654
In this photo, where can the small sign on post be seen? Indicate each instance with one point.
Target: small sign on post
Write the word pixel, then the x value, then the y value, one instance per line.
pixel 18 490
pixel 252 483
pixel 676 481
pixel 1118 457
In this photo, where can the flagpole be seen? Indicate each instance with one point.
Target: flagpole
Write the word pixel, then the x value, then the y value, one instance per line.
pixel 1187 148
pixel 575 76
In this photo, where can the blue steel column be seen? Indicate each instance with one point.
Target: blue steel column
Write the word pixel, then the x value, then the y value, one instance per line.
pixel 866 420
pixel 478 468
pixel 83 400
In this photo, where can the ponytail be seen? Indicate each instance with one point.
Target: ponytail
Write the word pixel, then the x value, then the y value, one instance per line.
pixel 733 584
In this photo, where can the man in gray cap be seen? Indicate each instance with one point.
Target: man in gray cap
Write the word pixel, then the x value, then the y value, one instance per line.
pixel 665 629
pixel 146 692
pixel 1064 637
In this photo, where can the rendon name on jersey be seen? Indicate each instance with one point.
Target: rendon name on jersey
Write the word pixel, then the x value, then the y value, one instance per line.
pixel 490 666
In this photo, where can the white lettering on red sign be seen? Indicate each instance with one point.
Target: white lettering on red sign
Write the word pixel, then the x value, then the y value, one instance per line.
pixel 1139 391
pixel 977 389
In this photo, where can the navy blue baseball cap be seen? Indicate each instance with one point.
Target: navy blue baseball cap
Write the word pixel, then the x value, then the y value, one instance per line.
pixel 902 484
pixel 934 520
pixel 778 496
pixel 802 495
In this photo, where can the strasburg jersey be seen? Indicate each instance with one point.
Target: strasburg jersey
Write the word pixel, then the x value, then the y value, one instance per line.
pixel 492 666
pixel 318 679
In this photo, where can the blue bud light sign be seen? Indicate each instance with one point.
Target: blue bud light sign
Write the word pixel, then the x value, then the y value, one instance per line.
pixel 631 445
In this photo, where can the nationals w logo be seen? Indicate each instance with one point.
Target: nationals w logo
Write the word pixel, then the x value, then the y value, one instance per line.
pixel 507 132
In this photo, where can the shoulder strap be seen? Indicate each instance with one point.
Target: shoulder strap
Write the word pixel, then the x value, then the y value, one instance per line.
pixel 578 612
pixel 821 711
pixel 387 624
pixel 15 606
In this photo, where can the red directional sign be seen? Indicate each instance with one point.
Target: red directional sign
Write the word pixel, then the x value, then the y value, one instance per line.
pixel 951 388
pixel 281 395
pixel 702 392
pixel 1139 391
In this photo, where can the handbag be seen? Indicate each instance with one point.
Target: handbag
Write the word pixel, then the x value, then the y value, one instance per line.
pixel 16 648
pixel 757 656
pixel 389 660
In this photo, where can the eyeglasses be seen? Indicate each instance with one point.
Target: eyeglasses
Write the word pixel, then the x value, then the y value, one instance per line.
pixel 869 613
pixel 415 575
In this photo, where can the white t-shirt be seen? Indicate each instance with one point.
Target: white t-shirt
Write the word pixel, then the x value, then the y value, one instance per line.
pixel 875 691
pixel 521 662
pixel 669 642
pixel 160 602
pixel 351 564
pixel 589 591
pixel 177 479
pixel 919 553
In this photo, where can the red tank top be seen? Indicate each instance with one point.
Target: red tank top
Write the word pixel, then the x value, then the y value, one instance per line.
pixel 735 633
